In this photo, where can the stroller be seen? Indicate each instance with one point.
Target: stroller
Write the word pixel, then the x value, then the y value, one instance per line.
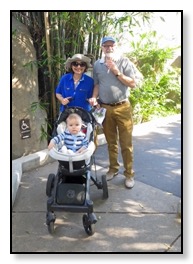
pixel 69 189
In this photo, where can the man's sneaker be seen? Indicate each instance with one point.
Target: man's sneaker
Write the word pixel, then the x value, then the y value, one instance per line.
pixel 110 175
pixel 129 183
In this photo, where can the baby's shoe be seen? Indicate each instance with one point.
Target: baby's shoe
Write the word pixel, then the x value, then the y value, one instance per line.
pixel 64 149
pixel 69 151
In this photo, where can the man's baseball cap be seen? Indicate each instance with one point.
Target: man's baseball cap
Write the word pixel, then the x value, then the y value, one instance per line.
pixel 105 39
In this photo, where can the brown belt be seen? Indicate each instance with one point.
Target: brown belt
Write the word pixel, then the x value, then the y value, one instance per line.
pixel 118 103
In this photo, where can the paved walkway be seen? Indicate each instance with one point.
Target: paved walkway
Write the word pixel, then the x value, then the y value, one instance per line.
pixel 143 219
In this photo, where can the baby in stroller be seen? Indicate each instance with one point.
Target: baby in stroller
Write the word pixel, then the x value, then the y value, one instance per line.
pixel 73 147
pixel 75 141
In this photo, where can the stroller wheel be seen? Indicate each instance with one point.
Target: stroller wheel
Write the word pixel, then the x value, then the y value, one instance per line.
pixel 88 227
pixel 50 184
pixel 51 227
pixel 105 187
pixel 50 219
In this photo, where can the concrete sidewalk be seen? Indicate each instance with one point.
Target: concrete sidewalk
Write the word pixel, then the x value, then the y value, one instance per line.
pixel 143 219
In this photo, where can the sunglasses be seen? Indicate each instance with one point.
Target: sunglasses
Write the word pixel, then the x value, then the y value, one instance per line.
pixel 76 64
pixel 108 46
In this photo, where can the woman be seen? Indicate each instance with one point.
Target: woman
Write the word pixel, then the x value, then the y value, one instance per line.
pixel 75 87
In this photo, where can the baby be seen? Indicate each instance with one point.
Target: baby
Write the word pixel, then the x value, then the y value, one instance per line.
pixel 75 140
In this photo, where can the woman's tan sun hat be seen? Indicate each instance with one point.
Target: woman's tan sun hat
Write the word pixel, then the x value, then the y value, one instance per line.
pixel 77 57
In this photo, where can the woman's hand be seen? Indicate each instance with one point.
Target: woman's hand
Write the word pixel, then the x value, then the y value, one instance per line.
pixel 92 101
pixel 66 100
pixel 63 101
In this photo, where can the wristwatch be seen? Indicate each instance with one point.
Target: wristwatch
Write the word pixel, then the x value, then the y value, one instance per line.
pixel 118 74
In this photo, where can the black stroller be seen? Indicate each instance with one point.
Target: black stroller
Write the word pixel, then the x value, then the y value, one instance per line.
pixel 69 189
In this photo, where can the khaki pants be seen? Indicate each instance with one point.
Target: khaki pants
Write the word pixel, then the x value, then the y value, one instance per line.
pixel 118 127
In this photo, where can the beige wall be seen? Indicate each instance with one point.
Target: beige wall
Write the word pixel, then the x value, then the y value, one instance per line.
pixel 24 92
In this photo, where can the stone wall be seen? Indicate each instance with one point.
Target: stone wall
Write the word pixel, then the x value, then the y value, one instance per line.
pixel 24 93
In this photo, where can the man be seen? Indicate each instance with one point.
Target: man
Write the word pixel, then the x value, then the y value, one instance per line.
pixel 113 75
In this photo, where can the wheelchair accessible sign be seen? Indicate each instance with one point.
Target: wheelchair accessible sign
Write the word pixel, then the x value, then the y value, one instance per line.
pixel 25 130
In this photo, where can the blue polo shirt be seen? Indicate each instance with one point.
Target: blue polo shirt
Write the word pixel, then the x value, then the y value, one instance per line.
pixel 79 94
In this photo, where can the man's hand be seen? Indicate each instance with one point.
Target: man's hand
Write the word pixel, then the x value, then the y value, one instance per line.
pixel 111 65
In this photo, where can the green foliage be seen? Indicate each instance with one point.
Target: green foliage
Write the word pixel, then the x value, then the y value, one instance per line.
pixel 35 105
pixel 81 32
pixel 44 131
pixel 160 94
pixel 14 33
pixel 45 127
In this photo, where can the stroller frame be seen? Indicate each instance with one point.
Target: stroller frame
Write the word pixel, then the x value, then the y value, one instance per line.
pixel 68 185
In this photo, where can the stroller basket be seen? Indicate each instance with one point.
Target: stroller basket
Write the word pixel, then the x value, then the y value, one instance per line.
pixel 73 194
